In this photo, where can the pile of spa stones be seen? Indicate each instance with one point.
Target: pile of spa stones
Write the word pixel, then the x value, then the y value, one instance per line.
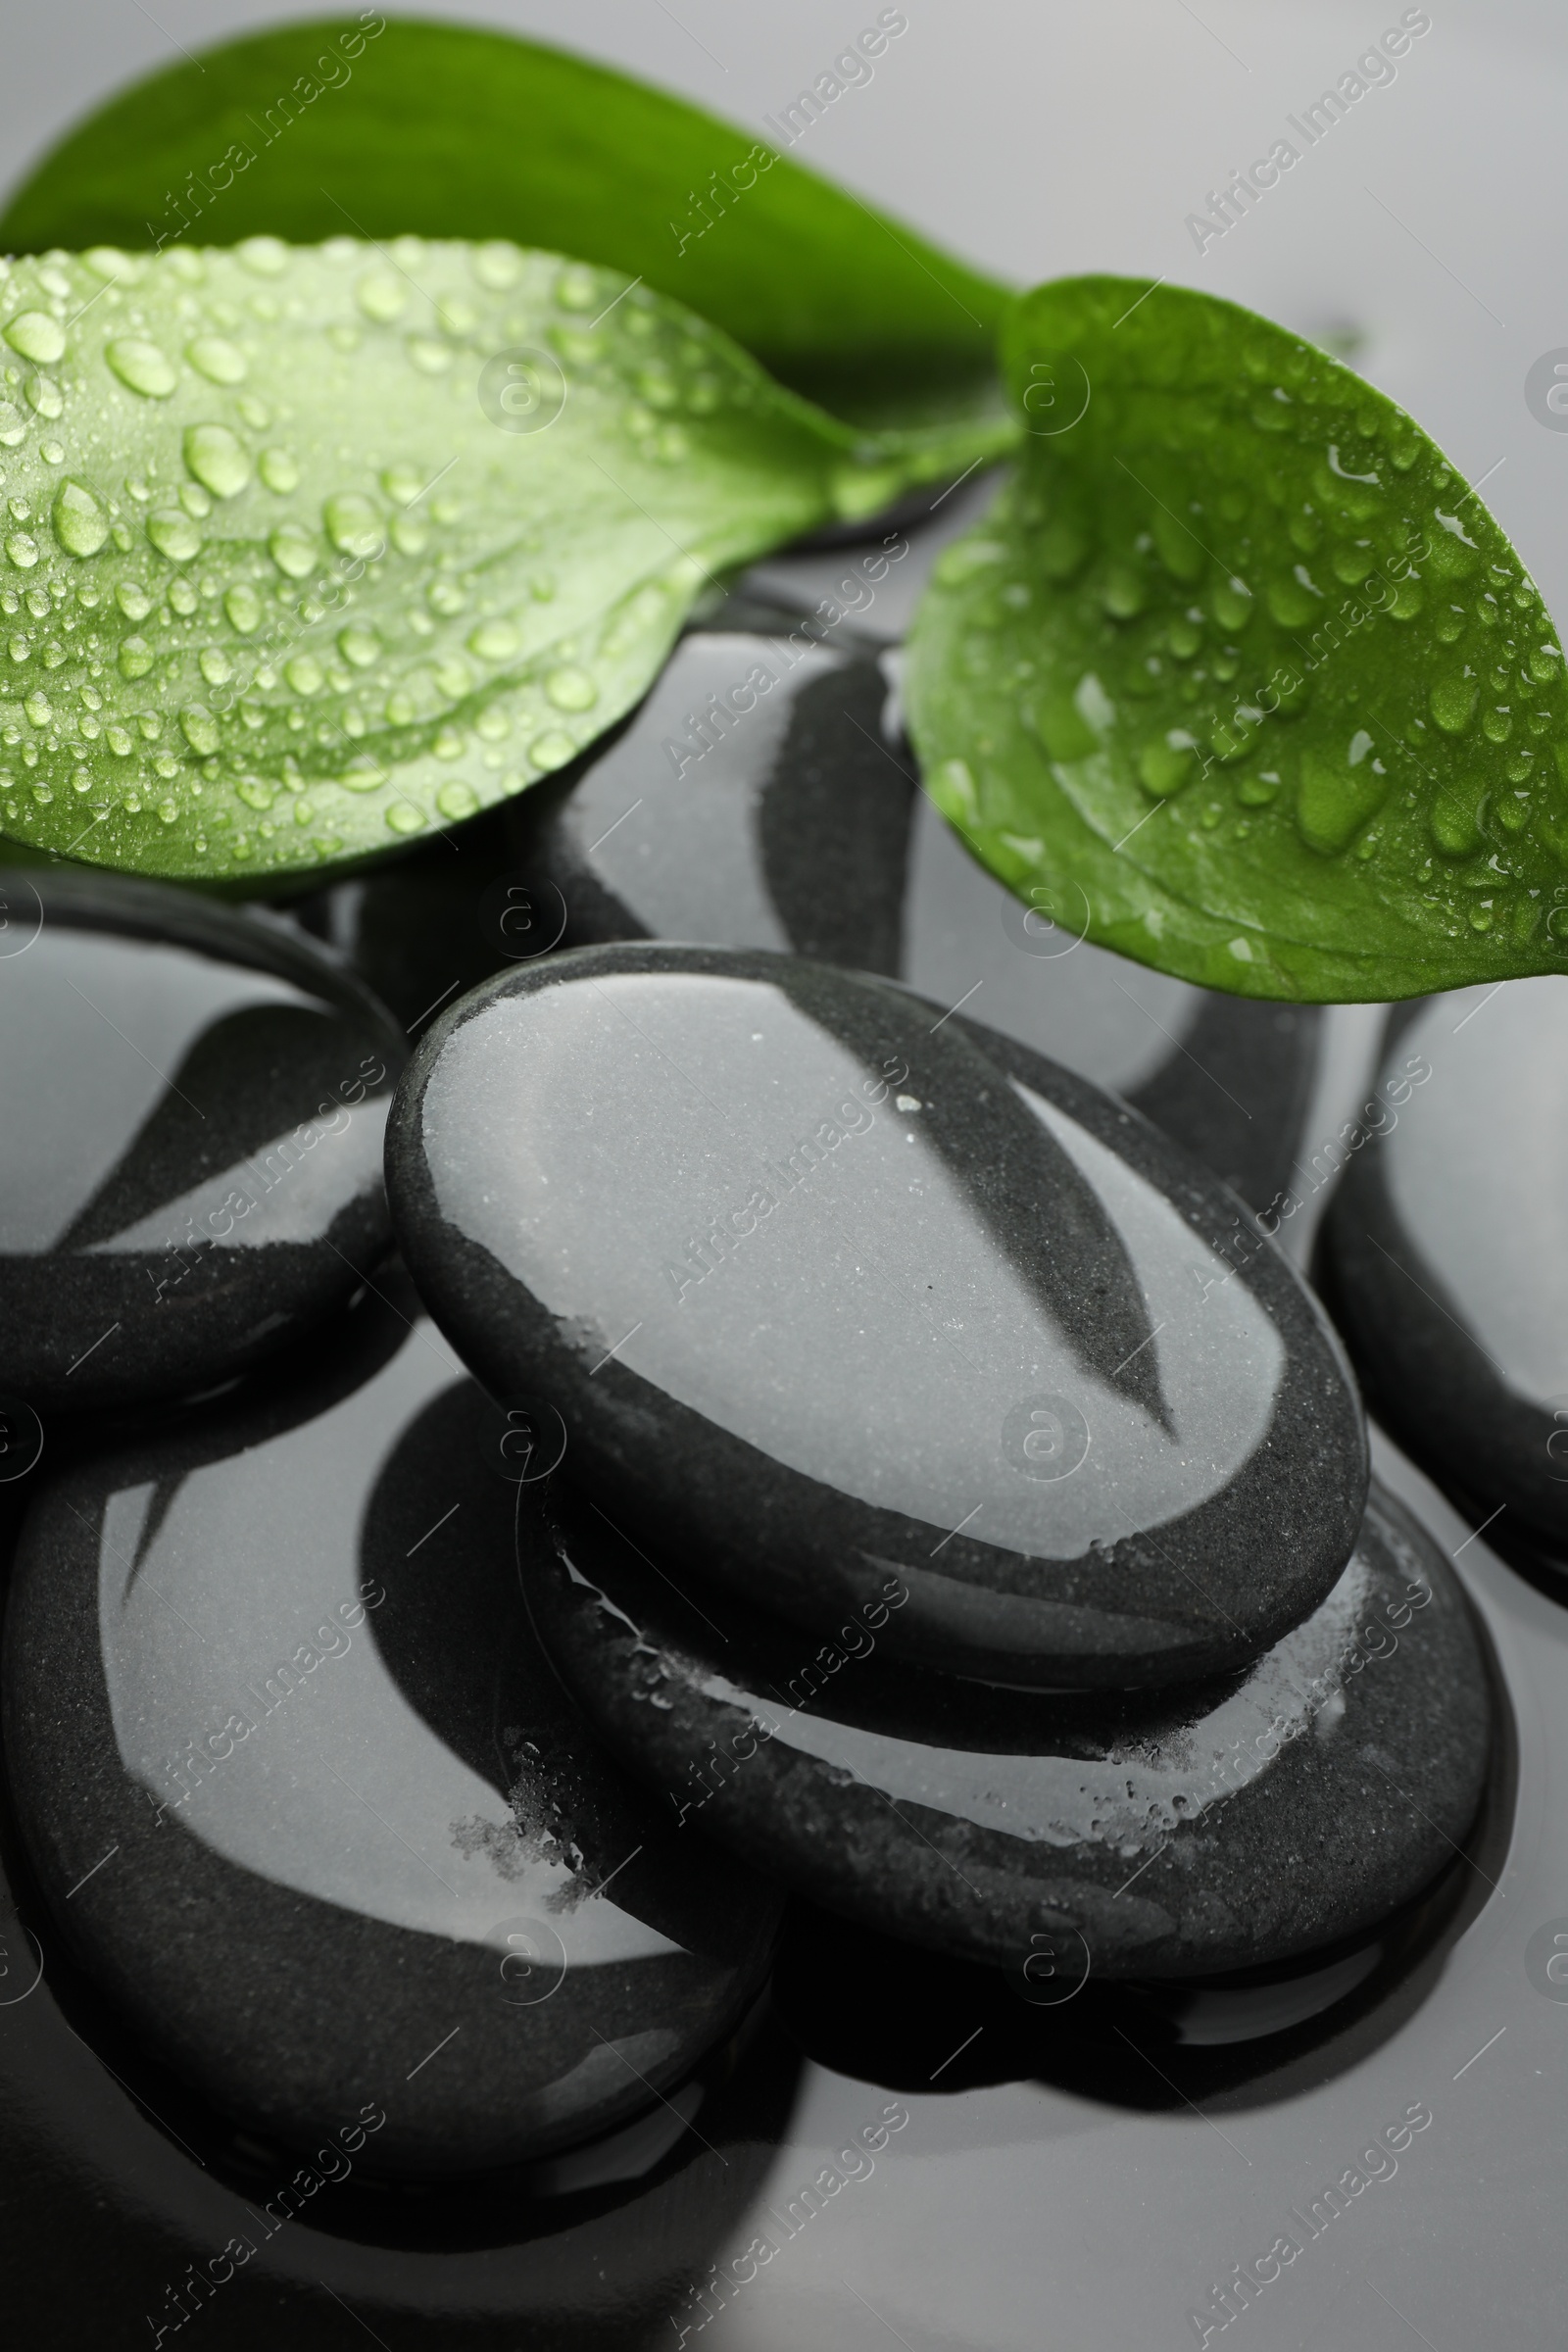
pixel 775 1429
pixel 1446 1253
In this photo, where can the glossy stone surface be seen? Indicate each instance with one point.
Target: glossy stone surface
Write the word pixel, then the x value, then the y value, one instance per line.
pixel 424 927
pixel 190 1147
pixel 786 826
pixel 823 1284
pixel 1170 1834
pixel 1447 1246
pixel 309 1805
pixel 788 816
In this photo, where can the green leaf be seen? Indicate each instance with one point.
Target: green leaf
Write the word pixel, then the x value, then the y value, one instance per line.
pixel 314 129
pixel 1241 672
pixel 310 551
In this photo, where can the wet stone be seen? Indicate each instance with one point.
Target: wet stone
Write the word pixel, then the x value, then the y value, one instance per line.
pixel 763 797
pixel 424 928
pixel 822 1285
pixel 190 1154
pixel 1161 1835
pixel 1446 1248
pixel 753 801
pixel 307 1802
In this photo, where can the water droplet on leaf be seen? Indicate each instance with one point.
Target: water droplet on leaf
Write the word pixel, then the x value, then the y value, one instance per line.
pixel 553 749
pixel 497 265
pixel 293 551
pixel 362 775
pixel 381 297
pixel 1453 701
pixel 199 728
pixel 1455 822
pixel 960 563
pixel 358 644
pixel 141 367
pixel 278 470
pixel 403 483
pixel 217 458
pixel 37 336
pixel 353 525
pixel 498 640
pixel 1291 604
pixel 81 524
pixel 174 535
pixel 108 262
pixel 956 785
pixel 571 689
pixel 267 257
pixel 219 360
pixel 1165 764
pixel 1124 592
pixel 1232 604
pixel 578 288
pixel 457 314
pixel 1333 802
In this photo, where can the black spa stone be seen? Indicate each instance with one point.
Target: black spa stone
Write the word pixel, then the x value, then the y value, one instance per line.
pixel 822 1284
pixel 190 1139
pixel 1158 1835
pixel 763 796
pixel 1446 1248
pixel 307 1802
pixel 424 927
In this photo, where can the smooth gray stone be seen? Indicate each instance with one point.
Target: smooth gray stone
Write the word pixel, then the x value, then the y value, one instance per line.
pixel 307 1802
pixel 823 1283
pixel 795 822
pixel 1167 1834
pixel 1445 1248
pixel 190 1140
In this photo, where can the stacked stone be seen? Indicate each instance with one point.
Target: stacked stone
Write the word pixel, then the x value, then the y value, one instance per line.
pixel 1445 1252
pixel 818 1434
pixel 941 1513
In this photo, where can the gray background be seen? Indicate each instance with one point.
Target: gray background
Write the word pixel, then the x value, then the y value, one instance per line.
pixel 1039 139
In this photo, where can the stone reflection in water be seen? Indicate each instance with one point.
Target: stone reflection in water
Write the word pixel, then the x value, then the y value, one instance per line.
pixel 280 1738
pixel 191 1152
